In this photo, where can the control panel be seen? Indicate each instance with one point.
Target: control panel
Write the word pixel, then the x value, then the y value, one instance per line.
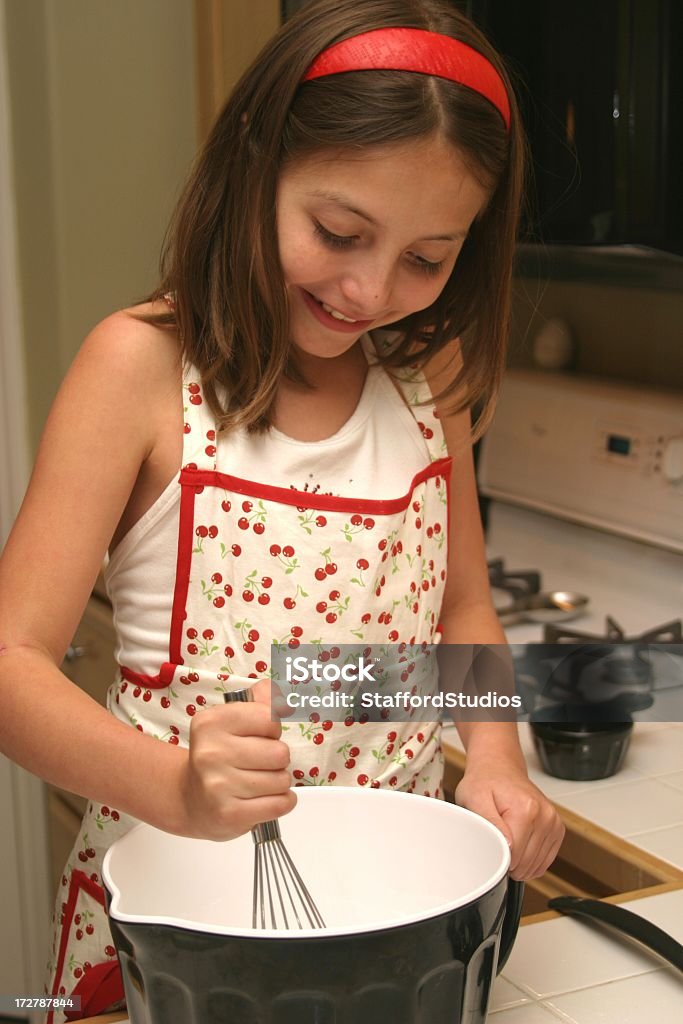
pixel 591 451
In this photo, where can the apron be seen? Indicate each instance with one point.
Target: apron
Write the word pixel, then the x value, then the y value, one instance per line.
pixel 261 565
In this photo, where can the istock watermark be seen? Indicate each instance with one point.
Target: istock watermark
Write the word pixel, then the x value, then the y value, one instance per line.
pixel 577 682
pixel 302 669
pixel 393 682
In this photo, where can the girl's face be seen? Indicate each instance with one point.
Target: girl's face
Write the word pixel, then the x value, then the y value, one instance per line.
pixel 373 237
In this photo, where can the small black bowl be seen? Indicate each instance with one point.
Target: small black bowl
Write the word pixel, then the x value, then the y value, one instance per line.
pixel 581 750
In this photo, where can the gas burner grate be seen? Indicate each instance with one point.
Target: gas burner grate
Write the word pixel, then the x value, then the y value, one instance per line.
pixel 583 676
pixel 669 633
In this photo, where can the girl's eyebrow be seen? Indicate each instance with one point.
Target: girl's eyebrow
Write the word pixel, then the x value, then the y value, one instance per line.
pixel 347 204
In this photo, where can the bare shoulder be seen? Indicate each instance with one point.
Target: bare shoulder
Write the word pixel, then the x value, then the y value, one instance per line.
pixel 130 357
pixel 140 417
pixel 111 414
pixel 125 382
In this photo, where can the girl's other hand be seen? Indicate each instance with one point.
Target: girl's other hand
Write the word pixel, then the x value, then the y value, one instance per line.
pixel 236 772
pixel 527 819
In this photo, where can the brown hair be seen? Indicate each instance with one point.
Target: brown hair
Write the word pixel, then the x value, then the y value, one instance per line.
pixel 220 256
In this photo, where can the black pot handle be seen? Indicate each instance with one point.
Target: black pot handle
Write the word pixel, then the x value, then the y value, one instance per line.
pixel 513 912
pixel 623 920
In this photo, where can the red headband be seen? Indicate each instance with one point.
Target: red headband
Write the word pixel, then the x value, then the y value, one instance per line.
pixel 414 49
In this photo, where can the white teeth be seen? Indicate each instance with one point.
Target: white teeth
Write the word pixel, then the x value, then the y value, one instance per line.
pixel 336 314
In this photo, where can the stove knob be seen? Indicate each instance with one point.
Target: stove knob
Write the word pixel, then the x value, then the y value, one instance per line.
pixel 672 460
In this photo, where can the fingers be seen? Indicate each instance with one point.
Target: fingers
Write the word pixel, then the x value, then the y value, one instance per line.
pixel 261 691
pixel 224 801
pixel 537 835
pixel 485 806
pixel 241 756
pixel 245 814
pixel 548 851
pixel 254 753
pixel 267 693
pixel 236 775
pixel 250 785
pixel 248 718
pixel 223 784
pixel 528 821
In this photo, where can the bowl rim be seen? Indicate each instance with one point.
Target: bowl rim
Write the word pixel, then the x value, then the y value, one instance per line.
pixel 400 920
pixel 557 732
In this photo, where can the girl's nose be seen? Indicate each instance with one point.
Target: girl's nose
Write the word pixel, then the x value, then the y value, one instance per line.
pixel 367 288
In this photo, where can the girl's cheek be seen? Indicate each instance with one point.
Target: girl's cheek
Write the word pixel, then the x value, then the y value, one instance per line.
pixel 427 294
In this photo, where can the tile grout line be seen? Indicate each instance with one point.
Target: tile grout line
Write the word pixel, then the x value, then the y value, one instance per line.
pixel 651 831
pixel 537 997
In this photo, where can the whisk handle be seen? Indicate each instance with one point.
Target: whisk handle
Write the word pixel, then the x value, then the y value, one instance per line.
pixel 230 696
pixel 266 831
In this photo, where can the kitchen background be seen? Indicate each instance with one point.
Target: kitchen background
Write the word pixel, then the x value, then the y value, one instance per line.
pixel 101 109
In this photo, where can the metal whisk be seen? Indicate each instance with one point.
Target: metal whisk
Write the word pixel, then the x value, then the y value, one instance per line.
pixel 280 897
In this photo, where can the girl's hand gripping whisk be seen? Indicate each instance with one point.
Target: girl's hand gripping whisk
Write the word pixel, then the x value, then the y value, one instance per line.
pixel 280 896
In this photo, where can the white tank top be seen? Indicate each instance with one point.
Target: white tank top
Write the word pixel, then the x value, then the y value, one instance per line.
pixel 376 453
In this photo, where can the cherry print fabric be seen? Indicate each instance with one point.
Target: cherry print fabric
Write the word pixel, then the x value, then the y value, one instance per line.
pixel 258 566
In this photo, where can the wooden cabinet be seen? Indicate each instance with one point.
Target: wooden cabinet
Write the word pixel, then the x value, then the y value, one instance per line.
pixel 229 36
pixel 64 813
pixel 89 663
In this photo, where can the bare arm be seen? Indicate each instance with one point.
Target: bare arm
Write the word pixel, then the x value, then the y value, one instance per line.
pixel 101 430
pixel 496 783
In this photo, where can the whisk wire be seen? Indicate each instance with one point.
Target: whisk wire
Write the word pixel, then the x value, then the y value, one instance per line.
pixel 274 850
pixel 257 896
pixel 275 873
pixel 268 850
pixel 312 913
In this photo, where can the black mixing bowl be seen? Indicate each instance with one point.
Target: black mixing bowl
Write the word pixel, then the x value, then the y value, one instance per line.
pixel 420 916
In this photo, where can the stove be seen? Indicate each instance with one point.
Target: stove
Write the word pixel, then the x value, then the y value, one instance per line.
pixel 585 486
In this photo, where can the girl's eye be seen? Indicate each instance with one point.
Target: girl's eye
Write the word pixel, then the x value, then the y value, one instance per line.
pixel 427 267
pixel 337 241
pixel 344 241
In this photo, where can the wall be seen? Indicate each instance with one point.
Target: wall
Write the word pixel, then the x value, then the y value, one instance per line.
pixel 623 332
pixel 98 104
pixel 103 106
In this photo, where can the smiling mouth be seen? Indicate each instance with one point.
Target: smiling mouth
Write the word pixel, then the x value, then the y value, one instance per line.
pixel 337 315
pixel 335 312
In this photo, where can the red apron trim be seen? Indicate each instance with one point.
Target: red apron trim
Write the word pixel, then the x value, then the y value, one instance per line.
pixel 99 988
pixel 79 880
pixel 160 681
pixel 182 579
pixel 448 516
pixel 320 502
pixel 193 480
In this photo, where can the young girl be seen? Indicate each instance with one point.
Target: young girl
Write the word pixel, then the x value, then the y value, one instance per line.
pixel 263 464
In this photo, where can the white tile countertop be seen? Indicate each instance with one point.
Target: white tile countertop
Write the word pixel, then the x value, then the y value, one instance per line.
pixel 642 803
pixel 582 973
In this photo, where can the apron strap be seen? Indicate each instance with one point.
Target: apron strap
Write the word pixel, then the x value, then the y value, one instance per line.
pixel 200 436
pixel 415 389
pixel 199 439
